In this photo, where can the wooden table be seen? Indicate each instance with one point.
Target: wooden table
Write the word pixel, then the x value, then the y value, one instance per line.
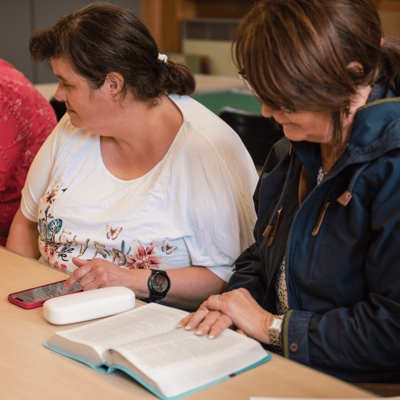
pixel 30 371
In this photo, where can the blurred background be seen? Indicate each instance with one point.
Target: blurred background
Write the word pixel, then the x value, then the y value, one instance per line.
pixel 195 32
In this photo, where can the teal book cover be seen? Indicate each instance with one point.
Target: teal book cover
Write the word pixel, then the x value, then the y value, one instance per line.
pixel 146 344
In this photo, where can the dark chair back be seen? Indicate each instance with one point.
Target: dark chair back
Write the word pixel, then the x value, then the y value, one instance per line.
pixel 58 107
pixel 381 389
pixel 258 133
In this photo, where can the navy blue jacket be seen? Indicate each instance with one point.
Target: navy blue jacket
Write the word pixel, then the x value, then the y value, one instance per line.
pixel 342 247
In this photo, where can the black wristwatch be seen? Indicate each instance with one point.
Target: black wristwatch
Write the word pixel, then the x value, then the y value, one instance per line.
pixel 159 285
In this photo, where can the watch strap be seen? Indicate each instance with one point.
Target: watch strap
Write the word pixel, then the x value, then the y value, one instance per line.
pixel 275 330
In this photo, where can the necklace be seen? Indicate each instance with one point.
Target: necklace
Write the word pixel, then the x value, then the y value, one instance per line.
pixel 321 175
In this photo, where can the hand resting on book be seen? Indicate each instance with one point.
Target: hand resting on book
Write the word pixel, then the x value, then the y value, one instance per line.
pixel 237 308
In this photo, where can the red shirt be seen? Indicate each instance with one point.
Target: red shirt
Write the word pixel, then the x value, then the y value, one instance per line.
pixel 26 119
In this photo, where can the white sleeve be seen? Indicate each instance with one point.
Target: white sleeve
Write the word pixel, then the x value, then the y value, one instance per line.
pixel 221 210
pixel 40 172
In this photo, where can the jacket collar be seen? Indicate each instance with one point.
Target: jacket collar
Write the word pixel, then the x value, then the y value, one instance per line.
pixel 376 130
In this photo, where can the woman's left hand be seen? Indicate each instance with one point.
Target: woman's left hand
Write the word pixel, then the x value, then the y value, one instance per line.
pixel 237 308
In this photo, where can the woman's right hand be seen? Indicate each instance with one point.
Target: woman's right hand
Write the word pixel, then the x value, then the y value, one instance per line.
pixel 99 273
pixel 206 321
pixel 237 308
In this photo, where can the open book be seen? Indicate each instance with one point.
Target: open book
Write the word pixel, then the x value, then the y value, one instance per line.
pixel 145 344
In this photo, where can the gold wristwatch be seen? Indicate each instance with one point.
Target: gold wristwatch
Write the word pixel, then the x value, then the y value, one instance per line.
pixel 275 330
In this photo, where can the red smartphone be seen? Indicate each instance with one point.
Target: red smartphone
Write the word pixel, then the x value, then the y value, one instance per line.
pixel 35 297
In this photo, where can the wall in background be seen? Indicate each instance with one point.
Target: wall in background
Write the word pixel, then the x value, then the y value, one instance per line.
pixel 218 52
pixel 387 5
pixel 19 19
pixel 164 17
pixel 390 22
pixel 211 37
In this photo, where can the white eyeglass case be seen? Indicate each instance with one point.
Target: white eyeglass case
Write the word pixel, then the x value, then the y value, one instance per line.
pixel 84 306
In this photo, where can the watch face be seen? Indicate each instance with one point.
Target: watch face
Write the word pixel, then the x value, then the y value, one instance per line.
pixel 276 323
pixel 160 283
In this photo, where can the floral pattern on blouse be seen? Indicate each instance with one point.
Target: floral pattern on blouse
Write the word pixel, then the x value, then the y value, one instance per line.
pixel 58 245
pixel 144 258
pixel 52 194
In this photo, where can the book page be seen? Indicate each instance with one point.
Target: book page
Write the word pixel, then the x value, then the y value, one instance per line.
pixel 142 322
pixel 179 360
pixel 146 344
pixel 173 347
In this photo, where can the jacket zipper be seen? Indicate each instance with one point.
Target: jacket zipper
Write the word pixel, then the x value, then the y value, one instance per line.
pixel 320 218
pixel 270 230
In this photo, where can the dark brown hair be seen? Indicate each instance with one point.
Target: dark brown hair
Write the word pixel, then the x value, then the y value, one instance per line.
pixel 102 38
pixel 295 54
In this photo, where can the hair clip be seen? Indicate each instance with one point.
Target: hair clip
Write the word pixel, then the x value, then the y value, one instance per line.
pixel 162 57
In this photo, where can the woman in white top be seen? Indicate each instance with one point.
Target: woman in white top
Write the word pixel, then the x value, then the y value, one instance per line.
pixel 137 177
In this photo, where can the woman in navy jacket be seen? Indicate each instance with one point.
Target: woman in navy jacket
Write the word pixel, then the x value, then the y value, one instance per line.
pixel 321 283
